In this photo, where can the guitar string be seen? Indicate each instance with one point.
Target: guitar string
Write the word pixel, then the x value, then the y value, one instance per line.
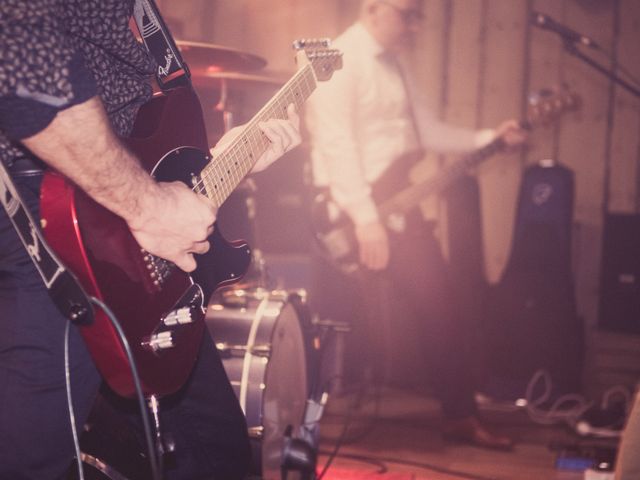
pixel 235 156
pixel 541 113
pixel 235 153
pixel 305 80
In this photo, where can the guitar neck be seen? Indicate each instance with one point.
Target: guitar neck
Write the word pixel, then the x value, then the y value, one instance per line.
pixel 413 195
pixel 223 174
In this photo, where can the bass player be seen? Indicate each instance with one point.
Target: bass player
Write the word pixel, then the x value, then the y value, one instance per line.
pixel 359 123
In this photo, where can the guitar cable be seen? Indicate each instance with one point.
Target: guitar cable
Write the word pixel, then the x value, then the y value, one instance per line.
pixel 156 473
pixel 72 416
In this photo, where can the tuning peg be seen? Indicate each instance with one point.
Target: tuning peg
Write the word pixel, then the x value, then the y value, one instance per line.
pixel 304 43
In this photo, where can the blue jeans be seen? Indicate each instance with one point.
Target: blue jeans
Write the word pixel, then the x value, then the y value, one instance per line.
pixel 204 417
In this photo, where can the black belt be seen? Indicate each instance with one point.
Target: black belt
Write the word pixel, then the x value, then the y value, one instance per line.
pixel 25 167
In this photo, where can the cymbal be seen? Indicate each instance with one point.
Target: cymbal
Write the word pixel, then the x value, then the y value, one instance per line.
pixel 234 80
pixel 208 56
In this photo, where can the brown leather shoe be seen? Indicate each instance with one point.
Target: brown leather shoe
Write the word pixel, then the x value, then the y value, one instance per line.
pixel 470 430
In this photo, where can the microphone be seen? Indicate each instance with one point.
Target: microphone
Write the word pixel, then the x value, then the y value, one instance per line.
pixel 545 22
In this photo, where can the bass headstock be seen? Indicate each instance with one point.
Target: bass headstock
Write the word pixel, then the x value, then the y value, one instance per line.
pixel 547 104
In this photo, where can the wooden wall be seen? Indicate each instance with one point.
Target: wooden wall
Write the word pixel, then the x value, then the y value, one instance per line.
pixel 478 59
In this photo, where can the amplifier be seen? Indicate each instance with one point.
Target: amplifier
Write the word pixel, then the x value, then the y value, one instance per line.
pixel 619 306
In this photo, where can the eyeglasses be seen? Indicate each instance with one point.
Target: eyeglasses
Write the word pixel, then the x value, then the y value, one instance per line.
pixel 408 15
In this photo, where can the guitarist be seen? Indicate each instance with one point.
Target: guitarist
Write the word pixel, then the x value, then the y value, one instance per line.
pixel 72 77
pixel 359 123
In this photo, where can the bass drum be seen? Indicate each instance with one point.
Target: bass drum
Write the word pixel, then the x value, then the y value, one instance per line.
pixel 261 336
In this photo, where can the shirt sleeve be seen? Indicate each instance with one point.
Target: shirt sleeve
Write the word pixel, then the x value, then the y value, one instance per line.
pixel 330 118
pixel 442 137
pixel 40 72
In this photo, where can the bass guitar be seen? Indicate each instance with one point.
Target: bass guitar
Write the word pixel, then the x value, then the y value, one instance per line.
pixel 160 307
pixel 334 231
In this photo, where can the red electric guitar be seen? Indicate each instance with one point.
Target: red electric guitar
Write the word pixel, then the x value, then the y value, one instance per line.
pixel 160 307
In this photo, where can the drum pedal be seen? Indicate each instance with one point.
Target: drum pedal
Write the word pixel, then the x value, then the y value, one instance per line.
pixel 297 455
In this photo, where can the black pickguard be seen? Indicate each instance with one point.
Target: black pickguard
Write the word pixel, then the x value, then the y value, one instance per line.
pixel 225 262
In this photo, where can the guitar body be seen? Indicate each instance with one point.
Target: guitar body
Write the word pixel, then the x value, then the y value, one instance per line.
pixel 333 228
pixel 154 301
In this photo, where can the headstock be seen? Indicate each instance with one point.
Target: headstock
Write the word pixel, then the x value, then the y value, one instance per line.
pixel 547 104
pixel 323 60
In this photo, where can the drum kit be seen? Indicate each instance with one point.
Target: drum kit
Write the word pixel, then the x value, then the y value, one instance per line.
pixel 266 338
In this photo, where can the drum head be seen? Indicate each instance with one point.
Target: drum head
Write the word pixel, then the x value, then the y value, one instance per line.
pixel 262 344
pixel 285 392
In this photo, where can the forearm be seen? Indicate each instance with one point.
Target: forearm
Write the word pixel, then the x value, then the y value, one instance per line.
pixel 80 144
pixel 445 138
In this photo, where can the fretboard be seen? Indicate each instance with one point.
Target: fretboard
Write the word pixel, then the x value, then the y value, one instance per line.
pixel 223 174
pixel 413 195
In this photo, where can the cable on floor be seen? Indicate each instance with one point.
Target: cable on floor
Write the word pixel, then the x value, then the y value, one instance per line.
pixel 421 465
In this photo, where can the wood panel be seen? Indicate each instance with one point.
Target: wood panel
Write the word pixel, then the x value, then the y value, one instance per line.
pixel 462 70
pixel 429 63
pixel 501 99
pixel 464 62
pixel 428 59
pixel 625 144
pixel 582 147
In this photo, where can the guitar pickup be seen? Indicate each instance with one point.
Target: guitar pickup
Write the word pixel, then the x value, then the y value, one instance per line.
pixel 159 341
pixel 180 316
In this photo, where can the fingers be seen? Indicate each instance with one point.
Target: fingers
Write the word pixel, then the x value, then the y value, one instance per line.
pixel 373 245
pixel 512 133
pixel 374 257
pixel 209 213
pixel 283 134
pixel 200 247
pixel 293 116
pixel 176 225
pixel 186 262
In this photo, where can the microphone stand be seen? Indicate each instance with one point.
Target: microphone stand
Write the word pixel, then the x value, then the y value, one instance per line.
pixel 570 47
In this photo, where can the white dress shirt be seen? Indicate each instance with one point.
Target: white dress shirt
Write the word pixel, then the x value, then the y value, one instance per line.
pixel 360 121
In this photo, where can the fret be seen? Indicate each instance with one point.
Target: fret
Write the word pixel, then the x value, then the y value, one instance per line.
pixel 413 195
pixel 223 173
pixel 542 109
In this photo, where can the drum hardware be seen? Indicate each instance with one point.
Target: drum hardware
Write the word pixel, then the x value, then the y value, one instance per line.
pixel 217 57
pixel 226 349
pixel 298 455
pixel 164 441
pixel 331 337
pixel 262 336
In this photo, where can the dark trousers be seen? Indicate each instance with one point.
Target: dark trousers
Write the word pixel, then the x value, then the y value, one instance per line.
pixel 204 417
pixel 407 310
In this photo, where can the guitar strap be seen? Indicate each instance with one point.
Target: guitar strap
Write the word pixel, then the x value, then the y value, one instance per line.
pixel 391 60
pixel 412 110
pixel 63 287
pixel 172 70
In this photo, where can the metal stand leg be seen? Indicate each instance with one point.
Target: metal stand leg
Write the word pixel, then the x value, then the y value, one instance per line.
pixel 164 443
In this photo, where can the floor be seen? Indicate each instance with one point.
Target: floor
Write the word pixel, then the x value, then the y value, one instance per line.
pixel 393 433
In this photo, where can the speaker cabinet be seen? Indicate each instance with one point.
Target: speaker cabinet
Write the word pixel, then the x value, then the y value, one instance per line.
pixel 620 276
